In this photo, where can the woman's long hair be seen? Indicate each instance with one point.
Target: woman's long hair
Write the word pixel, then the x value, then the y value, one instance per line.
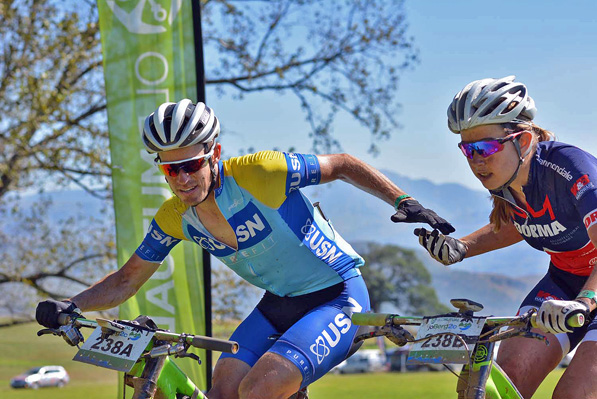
pixel 502 211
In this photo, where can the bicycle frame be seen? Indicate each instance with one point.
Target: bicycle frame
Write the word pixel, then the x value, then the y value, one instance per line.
pixel 160 378
pixel 487 379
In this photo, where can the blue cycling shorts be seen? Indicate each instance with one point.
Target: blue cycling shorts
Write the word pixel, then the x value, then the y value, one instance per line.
pixel 313 331
pixel 561 285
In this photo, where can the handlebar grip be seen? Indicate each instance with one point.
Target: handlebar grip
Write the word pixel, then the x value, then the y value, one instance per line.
pixel 215 344
pixel 64 318
pixel 369 319
pixel 575 320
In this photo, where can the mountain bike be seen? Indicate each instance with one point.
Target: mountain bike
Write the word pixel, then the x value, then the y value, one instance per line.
pixel 460 338
pixel 140 350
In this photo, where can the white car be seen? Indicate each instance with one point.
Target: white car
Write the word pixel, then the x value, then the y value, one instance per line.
pixel 45 376
pixel 363 361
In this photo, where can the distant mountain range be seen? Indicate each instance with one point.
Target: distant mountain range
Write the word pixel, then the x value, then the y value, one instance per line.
pixel 499 280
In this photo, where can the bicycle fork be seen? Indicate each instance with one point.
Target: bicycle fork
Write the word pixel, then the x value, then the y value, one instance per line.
pixel 471 384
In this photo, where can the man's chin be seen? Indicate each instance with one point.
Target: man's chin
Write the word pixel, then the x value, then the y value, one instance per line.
pixel 191 202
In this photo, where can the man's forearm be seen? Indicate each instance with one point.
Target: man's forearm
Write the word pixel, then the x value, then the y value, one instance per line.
pixel 107 293
pixel 363 176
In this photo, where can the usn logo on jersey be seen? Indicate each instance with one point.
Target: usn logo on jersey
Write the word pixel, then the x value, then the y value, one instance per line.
pixel 249 225
pixel 540 230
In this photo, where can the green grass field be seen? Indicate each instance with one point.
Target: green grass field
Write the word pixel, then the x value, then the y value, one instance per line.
pixel 21 349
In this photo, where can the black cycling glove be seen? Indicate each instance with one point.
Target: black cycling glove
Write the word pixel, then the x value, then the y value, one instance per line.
pixel 444 249
pixel 47 312
pixel 410 211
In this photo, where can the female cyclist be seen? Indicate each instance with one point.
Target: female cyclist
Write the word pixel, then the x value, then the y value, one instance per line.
pixel 543 192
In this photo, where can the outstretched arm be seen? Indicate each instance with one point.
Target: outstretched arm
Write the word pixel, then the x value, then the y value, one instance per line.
pixel 356 172
pixel 486 240
pixel 107 293
pixel 116 287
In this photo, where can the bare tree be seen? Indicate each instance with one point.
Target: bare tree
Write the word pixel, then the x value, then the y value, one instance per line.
pixel 44 257
pixel 335 56
pixel 52 123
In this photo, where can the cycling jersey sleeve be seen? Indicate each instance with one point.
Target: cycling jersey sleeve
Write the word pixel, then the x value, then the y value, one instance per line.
pixel 271 176
pixel 165 231
pixel 582 181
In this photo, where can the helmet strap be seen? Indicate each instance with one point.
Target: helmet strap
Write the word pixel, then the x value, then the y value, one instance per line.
pixel 212 169
pixel 515 175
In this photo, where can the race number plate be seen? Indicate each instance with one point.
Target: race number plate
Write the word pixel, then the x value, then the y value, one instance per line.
pixel 117 351
pixel 446 348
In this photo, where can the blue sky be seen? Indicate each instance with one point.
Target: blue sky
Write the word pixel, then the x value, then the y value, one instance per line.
pixel 550 47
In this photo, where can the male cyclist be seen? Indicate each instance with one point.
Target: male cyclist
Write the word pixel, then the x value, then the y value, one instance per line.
pixel 249 212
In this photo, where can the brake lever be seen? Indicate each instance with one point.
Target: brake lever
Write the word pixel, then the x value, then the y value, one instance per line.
pixel 191 355
pixel 48 331
pixel 529 334
pixel 517 333
pixel 365 336
pixel 69 333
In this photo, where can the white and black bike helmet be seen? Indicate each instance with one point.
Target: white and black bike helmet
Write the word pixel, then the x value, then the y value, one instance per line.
pixel 489 101
pixel 179 125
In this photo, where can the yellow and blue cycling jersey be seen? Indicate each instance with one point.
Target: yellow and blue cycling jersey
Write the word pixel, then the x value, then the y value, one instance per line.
pixel 285 246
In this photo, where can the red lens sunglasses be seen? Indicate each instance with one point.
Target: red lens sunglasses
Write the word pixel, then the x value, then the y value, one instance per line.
pixel 190 165
pixel 486 147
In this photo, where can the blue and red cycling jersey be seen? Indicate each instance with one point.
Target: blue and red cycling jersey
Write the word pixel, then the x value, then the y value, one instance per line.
pixel 561 196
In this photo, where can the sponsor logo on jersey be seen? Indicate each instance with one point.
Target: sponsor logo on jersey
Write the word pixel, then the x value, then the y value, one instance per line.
pixel 537 214
pixel 210 244
pixel 250 226
pixel 557 168
pixel 158 235
pixel 540 230
pixel 543 296
pixel 235 204
pixel 581 186
pixel 590 218
pixel 320 245
pixel 330 336
pixel 294 165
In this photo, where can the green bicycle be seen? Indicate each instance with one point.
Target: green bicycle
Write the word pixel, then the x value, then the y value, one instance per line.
pixel 141 350
pixel 460 338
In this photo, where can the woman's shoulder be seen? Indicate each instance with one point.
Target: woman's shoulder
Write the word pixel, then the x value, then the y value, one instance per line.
pixel 553 150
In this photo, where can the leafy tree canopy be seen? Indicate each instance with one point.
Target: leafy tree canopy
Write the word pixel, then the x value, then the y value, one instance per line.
pixel 394 274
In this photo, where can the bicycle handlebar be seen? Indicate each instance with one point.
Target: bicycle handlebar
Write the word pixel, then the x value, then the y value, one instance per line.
pixel 380 319
pixel 198 341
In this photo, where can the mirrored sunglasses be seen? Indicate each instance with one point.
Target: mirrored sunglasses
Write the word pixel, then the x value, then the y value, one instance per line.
pixel 486 147
pixel 190 165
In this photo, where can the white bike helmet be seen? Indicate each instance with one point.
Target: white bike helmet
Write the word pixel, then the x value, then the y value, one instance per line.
pixel 178 125
pixel 488 101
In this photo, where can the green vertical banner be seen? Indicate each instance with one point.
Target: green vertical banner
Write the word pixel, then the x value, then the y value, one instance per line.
pixel 149 58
